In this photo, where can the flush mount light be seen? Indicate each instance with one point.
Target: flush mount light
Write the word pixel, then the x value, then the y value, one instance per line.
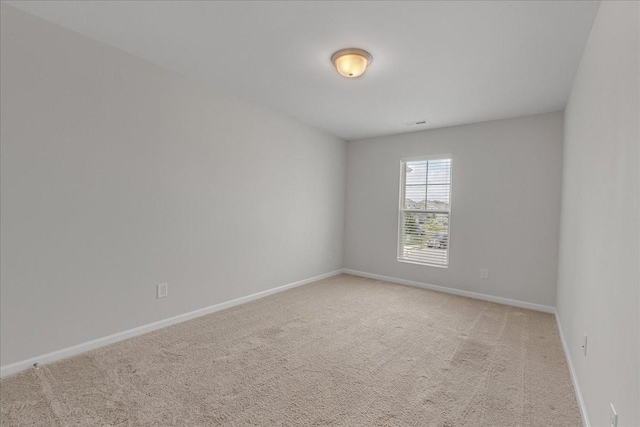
pixel 351 62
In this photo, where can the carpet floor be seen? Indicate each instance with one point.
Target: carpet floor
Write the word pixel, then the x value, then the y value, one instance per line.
pixel 345 351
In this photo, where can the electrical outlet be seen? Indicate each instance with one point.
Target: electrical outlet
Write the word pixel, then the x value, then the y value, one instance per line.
pixel 613 421
pixel 584 344
pixel 484 273
pixel 162 290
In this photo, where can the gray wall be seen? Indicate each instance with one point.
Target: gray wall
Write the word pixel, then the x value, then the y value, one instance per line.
pixel 118 175
pixel 505 206
pixel 599 280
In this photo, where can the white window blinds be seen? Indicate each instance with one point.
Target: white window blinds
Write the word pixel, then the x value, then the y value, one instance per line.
pixel 425 206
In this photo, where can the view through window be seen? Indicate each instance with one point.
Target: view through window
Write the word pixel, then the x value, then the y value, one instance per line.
pixel 425 206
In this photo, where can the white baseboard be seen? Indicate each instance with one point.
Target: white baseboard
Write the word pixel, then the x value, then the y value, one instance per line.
pixel 484 297
pixel 100 342
pixel 574 377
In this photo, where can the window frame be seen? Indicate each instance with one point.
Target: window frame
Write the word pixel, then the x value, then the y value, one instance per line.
pixel 401 208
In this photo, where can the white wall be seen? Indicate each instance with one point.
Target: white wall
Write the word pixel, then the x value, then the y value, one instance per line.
pixel 505 206
pixel 118 175
pixel 599 277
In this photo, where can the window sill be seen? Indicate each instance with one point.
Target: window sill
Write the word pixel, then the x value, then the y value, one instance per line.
pixel 423 264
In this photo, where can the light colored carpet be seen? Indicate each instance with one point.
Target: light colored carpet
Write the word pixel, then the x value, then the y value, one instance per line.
pixel 345 351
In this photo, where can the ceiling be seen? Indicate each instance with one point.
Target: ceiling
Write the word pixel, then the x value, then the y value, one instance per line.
pixel 448 63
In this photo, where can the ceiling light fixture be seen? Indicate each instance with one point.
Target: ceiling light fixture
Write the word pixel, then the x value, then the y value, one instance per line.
pixel 351 62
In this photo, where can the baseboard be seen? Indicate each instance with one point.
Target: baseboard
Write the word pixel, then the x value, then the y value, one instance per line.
pixel 484 297
pixel 574 377
pixel 12 368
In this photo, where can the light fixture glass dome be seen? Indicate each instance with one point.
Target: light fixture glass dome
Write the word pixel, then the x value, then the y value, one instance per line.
pixel 351 62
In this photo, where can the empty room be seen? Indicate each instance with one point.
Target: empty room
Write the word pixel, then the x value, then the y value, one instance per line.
pixel 320 213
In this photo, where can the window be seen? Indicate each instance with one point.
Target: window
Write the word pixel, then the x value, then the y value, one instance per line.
pixel 425 208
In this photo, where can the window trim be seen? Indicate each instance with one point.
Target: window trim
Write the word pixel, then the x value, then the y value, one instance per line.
pixel 401 209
